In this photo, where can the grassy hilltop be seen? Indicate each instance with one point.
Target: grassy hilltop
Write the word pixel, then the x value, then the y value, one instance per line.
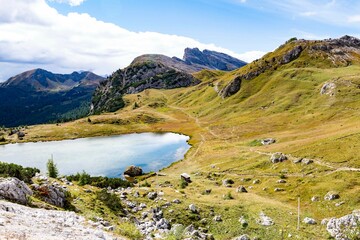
pixel 279 99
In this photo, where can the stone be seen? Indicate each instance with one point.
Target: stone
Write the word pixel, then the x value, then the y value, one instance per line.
pixel 14 190
pixel 307 161
pixel 20 134
pixel 227 182
pixel 339 204
pixel 281 181
pixel 298 160
pixel 176 201
pixel 241 189
pixel 133 171
pixel 292 54
pixel 217 218
pixel 52 194
pixel 193 208
pixel 256 181
pixel 278 157
pixel 186 177
pixel 268 141
pixel 331 196
pixel 242 237
pixel 232 88
pixel 339 228
pixel 264 220
pixel 315 198
pixel 327 88
pixel 152 195
pixel 243 222
pixel 310 221
pixel 279 189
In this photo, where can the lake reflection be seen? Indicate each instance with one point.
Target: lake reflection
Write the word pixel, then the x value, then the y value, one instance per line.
pixel 105 156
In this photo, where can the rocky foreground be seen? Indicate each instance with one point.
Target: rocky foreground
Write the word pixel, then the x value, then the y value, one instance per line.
pixel 21 222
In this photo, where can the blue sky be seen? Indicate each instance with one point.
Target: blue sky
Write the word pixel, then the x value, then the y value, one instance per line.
pixel 104 35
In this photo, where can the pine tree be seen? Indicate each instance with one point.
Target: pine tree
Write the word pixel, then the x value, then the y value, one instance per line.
pixel 52 170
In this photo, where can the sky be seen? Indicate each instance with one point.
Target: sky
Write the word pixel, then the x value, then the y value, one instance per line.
pixel 102 36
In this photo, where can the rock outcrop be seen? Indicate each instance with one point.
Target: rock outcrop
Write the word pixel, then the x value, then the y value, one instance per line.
pixel 278 157
pixel 14 190
pixel 232 88
pixel 346 227
pixel 21 222
pixel 51 193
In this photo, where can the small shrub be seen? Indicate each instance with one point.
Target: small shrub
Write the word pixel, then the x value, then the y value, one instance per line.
pixel 255 143
pixel 110 200
pixel 84 179
pixel 228 196
pixel 14 170
pixel 52 170
pixel 183 184
pixel 145 184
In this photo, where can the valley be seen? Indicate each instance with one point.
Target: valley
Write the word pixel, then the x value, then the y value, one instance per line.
pixel 283 96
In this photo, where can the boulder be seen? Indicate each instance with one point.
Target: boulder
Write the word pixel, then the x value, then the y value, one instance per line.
pixel 55 195
pixel 264 220
pixel 133 171
pixel 242 237
pixel 227 182
pixel 346 227
pixel 278 157
pixel 256 181
pixel 279 190
pixel 243 222
pixel 193 208
pixel 331 196
pixel 152 195
pixel 307 161
pixel 315 199
pixel 310 221
pixel 186 177
pixel 328 88
pixel 281 181
pixel 241 189
pixel 217 218
pixel 268 141
pixel 292 54
pixel 14 190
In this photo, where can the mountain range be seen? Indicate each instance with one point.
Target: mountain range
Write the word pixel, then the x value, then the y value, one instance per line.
pixel 39 96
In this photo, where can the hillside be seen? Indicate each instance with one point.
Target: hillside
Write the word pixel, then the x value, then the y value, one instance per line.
pixel 39 96
pixel 305 95
pixel 158 72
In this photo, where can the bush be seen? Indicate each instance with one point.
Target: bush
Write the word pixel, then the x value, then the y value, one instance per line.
pixel 84 179
pixel 101 182
pixel 228 196
pixel 145 184
pixel 14 170
pixel 110 200
pixel 183 184
pixel 52 170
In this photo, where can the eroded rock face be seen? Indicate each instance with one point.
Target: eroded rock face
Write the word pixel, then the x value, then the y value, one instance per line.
pixel 292 54
pixel 346 227
pixel 55 195
pixel 232 88
pixel 14 190
pixel 133 171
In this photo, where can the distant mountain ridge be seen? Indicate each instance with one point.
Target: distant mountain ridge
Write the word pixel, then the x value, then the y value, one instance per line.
pixel 211 60
pixel 158 72
pixel 39 96
pixel 42 80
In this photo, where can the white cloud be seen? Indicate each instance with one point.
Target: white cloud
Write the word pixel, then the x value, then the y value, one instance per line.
pixel 354 19
pixel 70 2
pixel 35 35
pixel 250 56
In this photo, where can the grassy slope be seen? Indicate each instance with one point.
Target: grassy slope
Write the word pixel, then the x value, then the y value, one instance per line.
pixel 284 104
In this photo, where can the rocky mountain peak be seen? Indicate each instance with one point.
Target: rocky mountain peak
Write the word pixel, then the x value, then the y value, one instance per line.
pixel 211 60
